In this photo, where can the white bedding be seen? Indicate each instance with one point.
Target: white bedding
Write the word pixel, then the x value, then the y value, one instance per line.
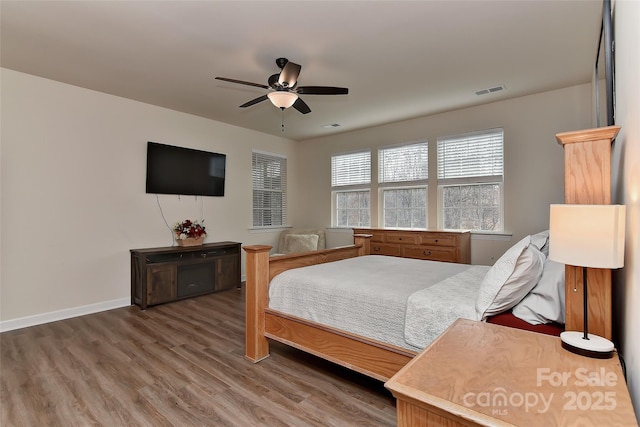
pixel 430 311
pixel 364 295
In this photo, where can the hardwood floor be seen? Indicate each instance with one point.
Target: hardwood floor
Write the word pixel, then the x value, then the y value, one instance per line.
pixel 178 364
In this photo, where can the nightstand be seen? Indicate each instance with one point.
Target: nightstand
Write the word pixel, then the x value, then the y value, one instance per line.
pixel 479 374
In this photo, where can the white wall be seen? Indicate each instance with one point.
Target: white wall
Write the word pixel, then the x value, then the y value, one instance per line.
pixel 73 172
pixel 626 188
pixel 73 196
pixel 534 165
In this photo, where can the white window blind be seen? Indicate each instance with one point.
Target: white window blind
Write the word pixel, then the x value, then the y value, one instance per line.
pixel 351 181
pixel 403 163
pixel 470 178
pixel 269 175
pixel 351 169
pixel 476 154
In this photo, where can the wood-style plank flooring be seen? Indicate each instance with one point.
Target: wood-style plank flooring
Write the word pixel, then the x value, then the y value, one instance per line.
pixel 178 364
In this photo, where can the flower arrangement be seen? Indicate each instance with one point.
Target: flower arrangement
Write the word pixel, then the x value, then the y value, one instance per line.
pixel 188 228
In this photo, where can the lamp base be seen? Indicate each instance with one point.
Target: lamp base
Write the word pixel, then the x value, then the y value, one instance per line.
pixel 596 346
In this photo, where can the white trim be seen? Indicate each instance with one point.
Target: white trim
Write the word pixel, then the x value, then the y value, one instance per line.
pixel 342 229
pixel 473 133
pixel 268 229
pixel 488 179
pixel 268 153
pixel 67 313
pixel 479 235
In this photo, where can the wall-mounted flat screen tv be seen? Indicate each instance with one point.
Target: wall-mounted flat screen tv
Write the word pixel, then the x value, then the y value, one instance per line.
pixel 184 171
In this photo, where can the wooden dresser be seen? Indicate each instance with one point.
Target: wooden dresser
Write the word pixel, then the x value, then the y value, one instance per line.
pixel 449 246
pixel 171 273
pixel 479 374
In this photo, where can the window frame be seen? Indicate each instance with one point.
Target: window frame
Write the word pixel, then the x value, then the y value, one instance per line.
pixel 364 186
pixel 470 181
pixel 390 185
pixel 382 209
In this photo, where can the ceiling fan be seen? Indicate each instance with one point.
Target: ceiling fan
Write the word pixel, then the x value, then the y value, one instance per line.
pixel 284 90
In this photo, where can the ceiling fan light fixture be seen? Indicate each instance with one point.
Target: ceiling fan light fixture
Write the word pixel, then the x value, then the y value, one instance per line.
pixel 282 99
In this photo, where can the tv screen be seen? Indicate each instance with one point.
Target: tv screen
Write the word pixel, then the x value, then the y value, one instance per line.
pixel 179 170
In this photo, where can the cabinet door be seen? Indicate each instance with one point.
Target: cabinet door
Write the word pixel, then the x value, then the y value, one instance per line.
pixel 196 278
pixel 161 284
pixel 227 272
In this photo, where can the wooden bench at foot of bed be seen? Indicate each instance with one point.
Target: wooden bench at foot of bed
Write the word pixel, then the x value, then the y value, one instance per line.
pixel 369 357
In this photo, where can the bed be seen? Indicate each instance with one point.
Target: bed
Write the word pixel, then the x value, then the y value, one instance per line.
pixel 370 357
pixel 374 313
pixel 586 180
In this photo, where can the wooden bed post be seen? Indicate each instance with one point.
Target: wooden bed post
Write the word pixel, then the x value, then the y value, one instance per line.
pixel 363 241
pixel 587 172
pixel 257 298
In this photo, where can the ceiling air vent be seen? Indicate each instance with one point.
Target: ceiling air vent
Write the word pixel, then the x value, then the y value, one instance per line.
pixel 490 90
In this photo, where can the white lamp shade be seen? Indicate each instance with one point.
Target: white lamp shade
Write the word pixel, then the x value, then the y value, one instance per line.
pixel 587 235
pixel 282 98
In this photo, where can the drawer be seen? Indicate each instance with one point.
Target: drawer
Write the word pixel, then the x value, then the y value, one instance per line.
pixel 386 250
pixel 377 237
pixel 170 257
pixel 438 240
pixel 431 253
pixel 407 239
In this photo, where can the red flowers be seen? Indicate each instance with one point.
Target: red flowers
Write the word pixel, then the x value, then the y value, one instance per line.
pixel 188 228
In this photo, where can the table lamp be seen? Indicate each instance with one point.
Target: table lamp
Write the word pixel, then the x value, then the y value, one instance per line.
pixel 587 236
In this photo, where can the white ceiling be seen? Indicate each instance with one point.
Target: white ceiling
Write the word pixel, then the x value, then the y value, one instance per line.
pixel 399 59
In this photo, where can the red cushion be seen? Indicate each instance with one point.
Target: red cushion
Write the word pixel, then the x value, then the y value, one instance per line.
pixel 508 319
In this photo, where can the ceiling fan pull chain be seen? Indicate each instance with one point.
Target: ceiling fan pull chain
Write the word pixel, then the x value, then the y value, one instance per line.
pixel 282 121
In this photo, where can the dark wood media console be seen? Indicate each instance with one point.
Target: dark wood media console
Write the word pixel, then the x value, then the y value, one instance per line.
pixel 160 275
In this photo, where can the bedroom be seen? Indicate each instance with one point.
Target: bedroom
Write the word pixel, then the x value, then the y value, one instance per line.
pixel 80 195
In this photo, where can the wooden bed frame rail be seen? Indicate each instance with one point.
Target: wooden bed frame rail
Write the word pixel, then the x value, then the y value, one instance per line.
pixel 369 357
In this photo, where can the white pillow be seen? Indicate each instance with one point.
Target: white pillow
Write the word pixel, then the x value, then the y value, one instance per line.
pixel 541 240
pixel 300 243
pixel 545 302
pixel 510 279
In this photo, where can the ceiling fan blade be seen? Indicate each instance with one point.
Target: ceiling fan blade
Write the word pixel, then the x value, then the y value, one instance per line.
pixel 242 82
pixel 273 81
pixel 289 74
pixel 254 101
pixel 301 106
pixel 322 90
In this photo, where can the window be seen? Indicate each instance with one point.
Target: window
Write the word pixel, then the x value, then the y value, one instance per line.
pixel 353 208
pixel 405 208
pixel 350 183
pixel 402 174
pixel 269 174
pixel 470 178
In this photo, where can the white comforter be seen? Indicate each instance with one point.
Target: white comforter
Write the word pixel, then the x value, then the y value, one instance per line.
pixel 369 296
pixel 430 311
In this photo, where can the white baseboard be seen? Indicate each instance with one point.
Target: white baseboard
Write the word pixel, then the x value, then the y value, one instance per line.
pixel 53 316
